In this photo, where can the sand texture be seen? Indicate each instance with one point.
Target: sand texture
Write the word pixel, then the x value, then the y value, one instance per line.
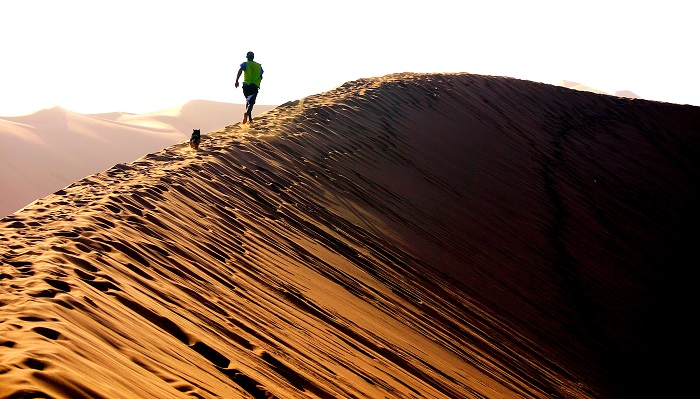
pixel 408 236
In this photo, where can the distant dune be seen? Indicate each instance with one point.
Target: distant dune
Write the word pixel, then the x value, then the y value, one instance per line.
pixel 625 93
pixel 577 86
pixel 409 236
pixel 46 151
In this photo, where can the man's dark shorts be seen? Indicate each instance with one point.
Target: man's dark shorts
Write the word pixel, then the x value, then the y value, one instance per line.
pixel 250 92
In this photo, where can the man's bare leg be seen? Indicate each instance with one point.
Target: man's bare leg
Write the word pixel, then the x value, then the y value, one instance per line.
pixel 245 118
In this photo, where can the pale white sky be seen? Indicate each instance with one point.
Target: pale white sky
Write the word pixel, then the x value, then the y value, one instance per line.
pixel 92 56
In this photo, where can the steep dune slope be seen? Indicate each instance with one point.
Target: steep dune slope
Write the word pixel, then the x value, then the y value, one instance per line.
pixel 407 236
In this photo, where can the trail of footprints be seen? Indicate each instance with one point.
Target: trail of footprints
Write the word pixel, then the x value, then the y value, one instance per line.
pixel 262 190
pixel 49 328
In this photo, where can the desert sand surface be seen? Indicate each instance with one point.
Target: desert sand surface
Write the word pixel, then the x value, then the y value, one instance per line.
pixel 43 152
pixel 406 236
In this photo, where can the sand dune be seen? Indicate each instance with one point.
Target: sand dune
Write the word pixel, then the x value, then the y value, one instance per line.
pixel 410 236
pixel 626 94
pixel 578 86
pixel 50 149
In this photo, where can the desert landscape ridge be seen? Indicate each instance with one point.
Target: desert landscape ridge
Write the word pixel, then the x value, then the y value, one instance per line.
pixel 406 236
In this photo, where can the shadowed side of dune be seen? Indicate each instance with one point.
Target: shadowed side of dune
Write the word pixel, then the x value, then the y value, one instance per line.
pixel 440 235
pixel 570 214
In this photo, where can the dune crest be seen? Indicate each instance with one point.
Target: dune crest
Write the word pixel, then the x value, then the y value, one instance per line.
pixel 415 235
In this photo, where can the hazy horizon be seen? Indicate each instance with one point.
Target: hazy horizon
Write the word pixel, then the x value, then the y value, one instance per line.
pixel 51 149
pixel 127 56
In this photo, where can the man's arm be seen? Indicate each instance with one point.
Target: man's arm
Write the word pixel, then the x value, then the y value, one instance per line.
pixel 240 71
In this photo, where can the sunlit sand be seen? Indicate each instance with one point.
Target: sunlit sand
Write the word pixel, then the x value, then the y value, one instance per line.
pixel 409 236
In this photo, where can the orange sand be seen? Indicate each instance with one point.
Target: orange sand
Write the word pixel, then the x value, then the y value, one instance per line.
pixel 410 236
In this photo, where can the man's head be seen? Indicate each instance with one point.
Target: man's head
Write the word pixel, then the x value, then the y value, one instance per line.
pixel 250 56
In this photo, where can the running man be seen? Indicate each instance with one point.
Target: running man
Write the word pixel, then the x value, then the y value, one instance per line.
pixel 252 75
